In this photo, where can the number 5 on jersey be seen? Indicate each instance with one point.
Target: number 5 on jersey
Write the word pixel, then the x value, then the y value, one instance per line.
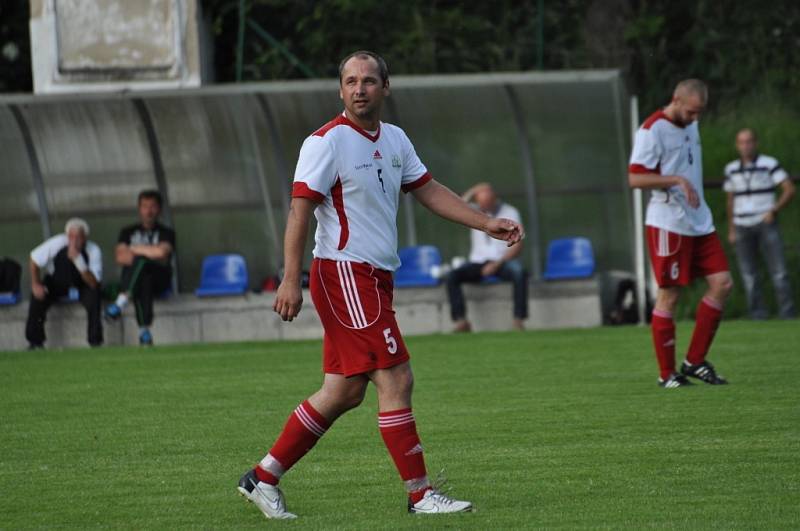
pixel 390 341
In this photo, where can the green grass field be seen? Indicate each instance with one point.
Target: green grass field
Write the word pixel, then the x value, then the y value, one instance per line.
pixel 562 429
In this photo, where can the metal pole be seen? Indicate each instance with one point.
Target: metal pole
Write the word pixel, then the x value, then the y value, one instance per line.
pixel 240 42
pixel 277 147
pixel 158 173
pixel 638 230
pixel 262 183
pixel 275 43
pixel 408 203
pixel 540 35
pixel 530 183
pixel 36 170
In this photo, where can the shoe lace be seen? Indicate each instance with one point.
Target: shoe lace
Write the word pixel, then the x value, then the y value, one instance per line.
pixel 441 490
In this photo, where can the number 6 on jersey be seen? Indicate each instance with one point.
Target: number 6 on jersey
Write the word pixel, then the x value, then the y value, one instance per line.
pixel 390 341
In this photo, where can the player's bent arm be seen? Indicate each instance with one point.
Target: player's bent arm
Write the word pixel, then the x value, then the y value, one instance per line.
pixel 123 254
pixel 442 201
pixel 289 298
pixel 650 181
pixel 653 180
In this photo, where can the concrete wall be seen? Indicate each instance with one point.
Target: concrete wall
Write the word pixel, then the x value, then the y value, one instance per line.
pixel 187 319
pixel 108 45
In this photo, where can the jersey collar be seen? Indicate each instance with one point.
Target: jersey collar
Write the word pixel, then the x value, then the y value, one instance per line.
pixel 344 120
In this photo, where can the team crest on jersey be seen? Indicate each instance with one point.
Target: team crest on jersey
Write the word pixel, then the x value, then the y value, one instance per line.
pixel 377 155
pixel 395 161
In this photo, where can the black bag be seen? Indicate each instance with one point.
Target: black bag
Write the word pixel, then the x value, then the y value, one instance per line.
pixel 10 273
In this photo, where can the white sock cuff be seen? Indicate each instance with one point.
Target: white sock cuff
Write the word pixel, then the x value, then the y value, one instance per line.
pixel 272 465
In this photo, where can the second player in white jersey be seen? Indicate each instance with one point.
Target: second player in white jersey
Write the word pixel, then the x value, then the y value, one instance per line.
pixel 662 146
pixel 357 176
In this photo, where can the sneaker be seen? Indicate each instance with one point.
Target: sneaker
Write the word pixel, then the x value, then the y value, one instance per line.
pixel 675 380
pixel 462 326
pixel 146 338
pixel 113 312
pixel 36 346
pixel 703 371
pixel 437 502
pixel 268 498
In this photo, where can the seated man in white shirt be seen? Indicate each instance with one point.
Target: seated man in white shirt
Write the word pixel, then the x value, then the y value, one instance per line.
pixel 487 258
pixel 68 260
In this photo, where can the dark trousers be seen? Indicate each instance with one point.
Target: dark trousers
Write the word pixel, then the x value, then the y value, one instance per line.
pixel 764 239
pixel 471 272
pixel 58 284
pixel 143 280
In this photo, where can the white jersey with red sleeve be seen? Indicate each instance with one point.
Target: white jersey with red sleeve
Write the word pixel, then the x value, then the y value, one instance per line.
pixel 663 147
pixel 356 178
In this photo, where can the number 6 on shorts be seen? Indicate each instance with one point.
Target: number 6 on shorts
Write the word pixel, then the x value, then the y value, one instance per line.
pixel 390 341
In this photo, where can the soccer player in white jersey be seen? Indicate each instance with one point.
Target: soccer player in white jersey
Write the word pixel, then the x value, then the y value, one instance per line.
pixel 349 175
pixel 681 238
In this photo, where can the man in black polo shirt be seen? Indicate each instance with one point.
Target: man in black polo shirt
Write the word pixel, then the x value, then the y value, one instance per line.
pixel 144 251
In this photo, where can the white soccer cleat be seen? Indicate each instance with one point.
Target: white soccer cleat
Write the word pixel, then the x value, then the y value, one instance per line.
pixel 437 502
pixel 268 498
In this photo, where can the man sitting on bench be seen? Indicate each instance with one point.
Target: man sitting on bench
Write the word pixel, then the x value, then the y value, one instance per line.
pixel 69 260
pixel 144 251
pixel 489 258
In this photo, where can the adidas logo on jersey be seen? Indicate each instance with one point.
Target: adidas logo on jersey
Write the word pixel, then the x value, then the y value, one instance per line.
pixel 377 155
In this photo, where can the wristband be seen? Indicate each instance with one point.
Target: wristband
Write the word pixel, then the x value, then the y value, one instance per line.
pixel 80 264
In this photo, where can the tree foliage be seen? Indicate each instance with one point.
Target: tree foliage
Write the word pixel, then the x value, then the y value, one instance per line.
pixel 740 47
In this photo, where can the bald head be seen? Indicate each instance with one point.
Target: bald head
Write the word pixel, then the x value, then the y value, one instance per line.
pixel 747 144
pixel 691 87
pixel 688 102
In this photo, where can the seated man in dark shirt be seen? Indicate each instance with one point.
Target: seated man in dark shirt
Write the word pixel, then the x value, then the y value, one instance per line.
pixel 144 251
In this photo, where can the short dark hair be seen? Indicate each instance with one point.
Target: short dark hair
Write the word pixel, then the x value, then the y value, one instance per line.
pixel 383 69
pixel 150 194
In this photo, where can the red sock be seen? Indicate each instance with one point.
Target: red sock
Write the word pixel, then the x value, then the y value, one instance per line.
pixel 663 328
pixel 302 431
pixel 399 432
pixel 707 318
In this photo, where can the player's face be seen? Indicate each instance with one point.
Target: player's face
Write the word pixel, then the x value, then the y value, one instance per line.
pixel 148 211
pixel 76 238
pixel 362 89
pixel 746 144
pixel 689 108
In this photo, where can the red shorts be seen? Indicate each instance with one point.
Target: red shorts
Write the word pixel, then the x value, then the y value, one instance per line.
pixel 354 303
pixel 678 259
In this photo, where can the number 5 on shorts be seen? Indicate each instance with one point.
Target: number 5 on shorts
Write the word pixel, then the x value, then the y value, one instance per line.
pixel 390 341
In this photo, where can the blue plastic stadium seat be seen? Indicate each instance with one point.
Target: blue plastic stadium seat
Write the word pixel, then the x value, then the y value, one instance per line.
pixel 223 274
pixel 9 298
pixel 569 258
pixel 416 265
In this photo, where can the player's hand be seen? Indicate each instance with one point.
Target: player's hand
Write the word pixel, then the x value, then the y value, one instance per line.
pixel 288 300
pixel 490 268
pixel 731 235
pixel 509 231
pixel 769 217
pixel 689 192
pixel 39 290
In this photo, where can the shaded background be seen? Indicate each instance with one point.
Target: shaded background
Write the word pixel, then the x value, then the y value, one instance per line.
pixel 748 52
